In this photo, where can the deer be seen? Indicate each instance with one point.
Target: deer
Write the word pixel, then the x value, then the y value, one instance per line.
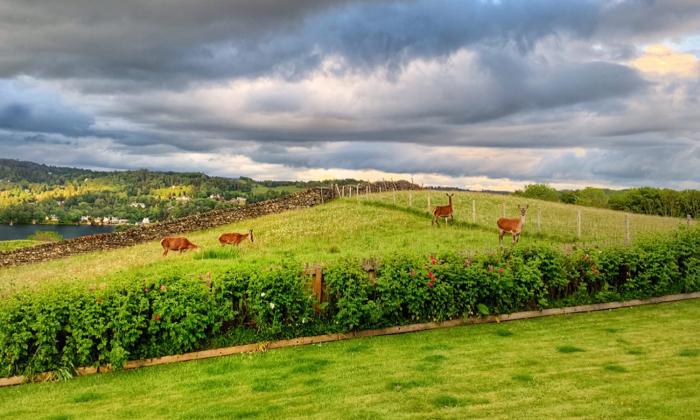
pixel 512 226
pixel 443 211
pixel 235 238
pixel 176 243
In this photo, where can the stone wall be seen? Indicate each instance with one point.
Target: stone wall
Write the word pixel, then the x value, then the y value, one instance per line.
pixel 105 241
pixel 156 231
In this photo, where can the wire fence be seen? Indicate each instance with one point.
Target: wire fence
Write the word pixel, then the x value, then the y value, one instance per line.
pixel 563 222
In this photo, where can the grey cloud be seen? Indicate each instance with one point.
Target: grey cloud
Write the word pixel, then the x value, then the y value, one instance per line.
pixel 26 108
pixel 174 43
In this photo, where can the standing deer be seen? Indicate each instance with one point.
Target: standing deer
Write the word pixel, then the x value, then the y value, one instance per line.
pixel 176 243
pixel 443 211
pixel 512 226
pixel 235 238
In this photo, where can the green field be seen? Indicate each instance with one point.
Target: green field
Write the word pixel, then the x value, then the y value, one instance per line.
pixel 642 362
pixel 17 244
pixel 350 227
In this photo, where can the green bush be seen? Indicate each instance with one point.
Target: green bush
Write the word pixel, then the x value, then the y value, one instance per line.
pixel 58 330
pixel 45 236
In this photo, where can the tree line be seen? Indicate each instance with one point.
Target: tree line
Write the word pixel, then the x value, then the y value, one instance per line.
pixel 31 192
pixel 643 200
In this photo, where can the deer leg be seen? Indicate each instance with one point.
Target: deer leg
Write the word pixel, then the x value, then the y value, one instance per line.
pixel 165 252
pixel 500 236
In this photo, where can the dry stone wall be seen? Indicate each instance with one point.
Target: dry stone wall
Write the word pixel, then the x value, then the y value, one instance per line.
pixel 105 241
pixel 155 231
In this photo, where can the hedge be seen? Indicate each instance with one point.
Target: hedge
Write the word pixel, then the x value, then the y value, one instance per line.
pixel 59 330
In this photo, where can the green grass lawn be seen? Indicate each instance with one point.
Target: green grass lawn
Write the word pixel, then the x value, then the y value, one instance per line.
pixel 17 244
pixel 640 362
pixel 339 229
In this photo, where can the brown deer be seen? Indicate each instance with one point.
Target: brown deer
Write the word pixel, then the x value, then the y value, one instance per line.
pixel 235 238
pixel 443 211
pixel 512 226
pixel 176 243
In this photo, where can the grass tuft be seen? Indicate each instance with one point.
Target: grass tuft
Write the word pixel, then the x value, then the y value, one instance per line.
pixel 569 349
pixel 434 358
pixel 523 377
pixel 689 353
pixel 445 401
pixel 87 397
pixel 223 253
pixel 504 333
pixel 613 367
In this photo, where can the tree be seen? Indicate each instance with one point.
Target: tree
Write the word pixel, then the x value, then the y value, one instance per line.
pixel 540 192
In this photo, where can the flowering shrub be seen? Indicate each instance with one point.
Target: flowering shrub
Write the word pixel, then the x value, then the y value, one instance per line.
pixel 52 329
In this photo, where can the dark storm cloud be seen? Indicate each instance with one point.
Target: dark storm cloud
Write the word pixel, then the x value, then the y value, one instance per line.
pixel 26 108
pixel 529 78
pixel 170 43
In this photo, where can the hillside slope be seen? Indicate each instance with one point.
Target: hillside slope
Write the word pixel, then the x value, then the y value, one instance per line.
pixel 363 227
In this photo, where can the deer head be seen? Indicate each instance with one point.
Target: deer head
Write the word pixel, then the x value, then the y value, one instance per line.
pixel 523 210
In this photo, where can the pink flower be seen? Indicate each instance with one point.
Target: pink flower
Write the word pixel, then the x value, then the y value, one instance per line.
pixel 500 269
pixel 156 317
pixel 431 283
pixel 433 261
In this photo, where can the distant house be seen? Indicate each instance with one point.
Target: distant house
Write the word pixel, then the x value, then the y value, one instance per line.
pixel 239 201
pixel 85 219
pixel 137 205
pixel 53 218
pixel 146 221
pixel 216 197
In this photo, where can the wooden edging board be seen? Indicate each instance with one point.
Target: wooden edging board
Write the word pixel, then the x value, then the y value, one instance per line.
pixel 256 347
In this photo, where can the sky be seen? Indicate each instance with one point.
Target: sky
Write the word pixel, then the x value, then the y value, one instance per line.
pixel 482 94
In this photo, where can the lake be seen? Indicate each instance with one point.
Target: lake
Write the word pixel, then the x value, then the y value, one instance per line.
pixel 8 232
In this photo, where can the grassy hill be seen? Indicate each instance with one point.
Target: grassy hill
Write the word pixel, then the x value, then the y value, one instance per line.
pixel 365 227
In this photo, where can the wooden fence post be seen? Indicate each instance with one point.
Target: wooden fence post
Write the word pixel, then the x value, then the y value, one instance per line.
pixel 337 190
pixel 410 199
pixel 627 229
pixel 578 224
pixel 368 189
pixel 321 191
pixel 394 195
pixel 474 211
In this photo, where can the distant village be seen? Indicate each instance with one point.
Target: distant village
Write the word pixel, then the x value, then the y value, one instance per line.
pixel 111 220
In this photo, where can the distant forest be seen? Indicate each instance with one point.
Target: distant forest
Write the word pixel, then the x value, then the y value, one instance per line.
pixel 31 192
pixel 645 200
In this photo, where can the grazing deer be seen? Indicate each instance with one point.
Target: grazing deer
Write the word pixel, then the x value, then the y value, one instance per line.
pixel 512 226
pixel 443 211
pixel 235 238
pixel 176 243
